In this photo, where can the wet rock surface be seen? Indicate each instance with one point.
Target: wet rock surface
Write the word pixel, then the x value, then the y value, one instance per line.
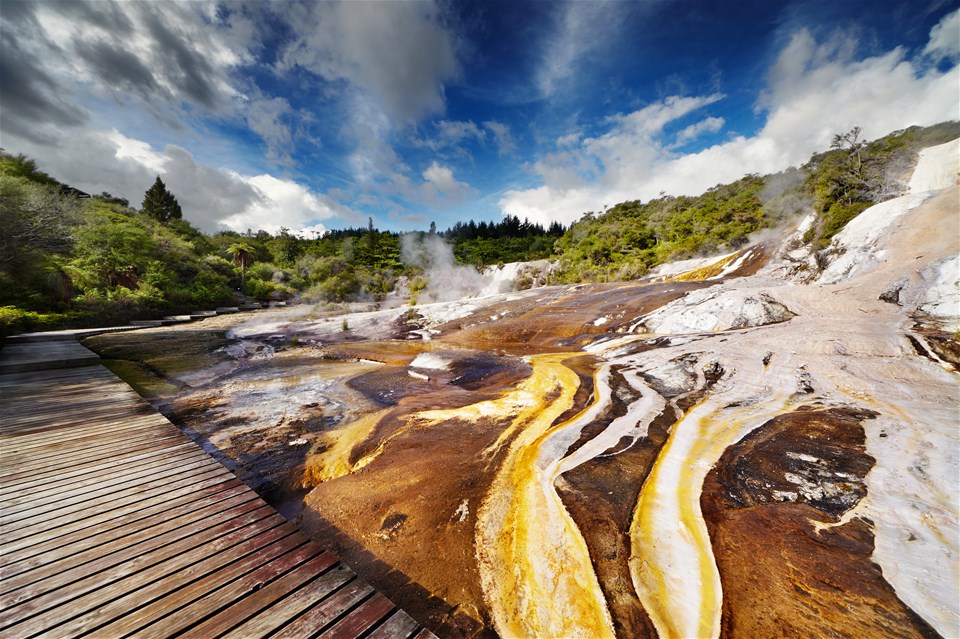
pixel 811 456
pixel 792 475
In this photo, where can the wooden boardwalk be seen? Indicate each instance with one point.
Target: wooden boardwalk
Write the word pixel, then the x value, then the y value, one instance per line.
pixel 114 524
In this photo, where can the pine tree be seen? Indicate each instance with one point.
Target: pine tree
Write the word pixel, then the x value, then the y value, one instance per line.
pixel 160 204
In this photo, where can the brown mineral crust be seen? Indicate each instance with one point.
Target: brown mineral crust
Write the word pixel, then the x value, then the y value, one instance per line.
pixel 583 366
pixel 560 319
pixel 483 373
pixel 944 344
pixel 600 495
pixel 408 538
pixel 394 352
pixel 780 577
pixel 406 522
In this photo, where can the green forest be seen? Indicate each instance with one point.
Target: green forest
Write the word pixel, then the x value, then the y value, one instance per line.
pixel 71 260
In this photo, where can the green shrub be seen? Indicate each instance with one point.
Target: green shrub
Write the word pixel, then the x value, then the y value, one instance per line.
pixel 15 320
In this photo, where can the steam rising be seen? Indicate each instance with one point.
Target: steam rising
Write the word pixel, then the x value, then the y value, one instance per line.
pixel 448 280
pixel 783 196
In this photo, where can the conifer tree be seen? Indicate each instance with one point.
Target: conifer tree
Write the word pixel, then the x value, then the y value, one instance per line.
pixel 160 204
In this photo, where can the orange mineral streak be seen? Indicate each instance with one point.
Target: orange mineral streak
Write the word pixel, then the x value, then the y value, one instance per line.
pixel 334 461
pixel 535 568
pixel 672 564
pixel 708 271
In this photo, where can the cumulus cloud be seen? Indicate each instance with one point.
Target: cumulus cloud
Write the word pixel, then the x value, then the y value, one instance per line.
pixel 814 90
pixel 282 203
pixel 440 186
pixel 945 38
pixel 212 198
pixel 398 53
pixel 694 131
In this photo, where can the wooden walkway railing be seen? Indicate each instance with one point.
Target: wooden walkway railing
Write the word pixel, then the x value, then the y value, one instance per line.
pixel 114 524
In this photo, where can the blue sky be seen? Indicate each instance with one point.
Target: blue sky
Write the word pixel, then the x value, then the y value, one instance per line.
pixel 316 115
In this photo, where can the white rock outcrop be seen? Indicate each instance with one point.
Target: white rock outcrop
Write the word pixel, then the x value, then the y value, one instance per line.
pixel 715 309
pixel 937 168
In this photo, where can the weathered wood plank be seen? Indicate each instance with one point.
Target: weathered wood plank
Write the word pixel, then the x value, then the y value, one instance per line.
pixel 33 598
pixel 30 426
pixel 99 482
pixel 261 598
pixel 327 611
pixel 169 477
pixel 26 585
pixel 113 522
pixel 101 542
pixel 24 480
pixel 121 465
pixel 119 427
pixel 82 449
pixel 224 597
pixel 187 592
pixel 290 607
pixel 400 625
pixel 156 512
pixel 363 617
pixel 44 534
pixel 143 595
pixel 87 430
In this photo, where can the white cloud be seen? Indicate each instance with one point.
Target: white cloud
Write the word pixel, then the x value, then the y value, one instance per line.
pixel 502 136
pixel 170 52
pixel 945 38
pixel 397 53
pixel 173 60
pixel 266 117
pixel 692 132
pixel 211 198
pixel 441 186
pixel 451 134
pixel 814 90
pixel 282 203
pixel 581 28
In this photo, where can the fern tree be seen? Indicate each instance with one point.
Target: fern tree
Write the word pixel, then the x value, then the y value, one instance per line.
pixel 160 204
pixel 242 254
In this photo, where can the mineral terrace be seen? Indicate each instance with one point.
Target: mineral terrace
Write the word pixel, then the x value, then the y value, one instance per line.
pixel 743 446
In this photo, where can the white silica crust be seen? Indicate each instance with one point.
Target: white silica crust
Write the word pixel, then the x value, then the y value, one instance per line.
pixel 859 239
pixel 937 168
pixel 715 309
pixel 431 361
pixel 942 296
